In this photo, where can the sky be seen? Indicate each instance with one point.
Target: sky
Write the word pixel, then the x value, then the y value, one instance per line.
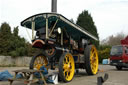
pixel 110 16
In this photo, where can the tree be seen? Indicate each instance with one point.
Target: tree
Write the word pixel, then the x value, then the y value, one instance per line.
pixel 13 45
pixel 5 36
pixel 18 44
pixel 15 31
pixel 86 21
pixel 113 40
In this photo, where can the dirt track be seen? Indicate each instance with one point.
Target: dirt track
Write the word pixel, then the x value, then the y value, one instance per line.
pixel 115 77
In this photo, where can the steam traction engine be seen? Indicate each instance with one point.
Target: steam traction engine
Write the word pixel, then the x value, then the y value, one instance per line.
pixel 64 45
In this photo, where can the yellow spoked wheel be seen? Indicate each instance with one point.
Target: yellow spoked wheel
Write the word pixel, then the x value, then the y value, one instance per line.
pixel 91 60
pixel 38 61
pixel 66 67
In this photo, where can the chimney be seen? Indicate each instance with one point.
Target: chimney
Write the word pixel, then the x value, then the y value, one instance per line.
pixel 54 6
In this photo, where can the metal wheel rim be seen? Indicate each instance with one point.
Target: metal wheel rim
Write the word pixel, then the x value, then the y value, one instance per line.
pixel 68 67
pixel 40 61
pixel 94 60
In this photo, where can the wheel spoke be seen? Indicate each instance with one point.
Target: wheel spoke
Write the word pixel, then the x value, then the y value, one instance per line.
pixel 92 54
pixel 69 62
pixel 65 66
pixel 66 60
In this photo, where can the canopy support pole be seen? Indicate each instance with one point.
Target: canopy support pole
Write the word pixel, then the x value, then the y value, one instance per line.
pixel 61 37
pixel 33 28
pixel 46 28
pixel 53 27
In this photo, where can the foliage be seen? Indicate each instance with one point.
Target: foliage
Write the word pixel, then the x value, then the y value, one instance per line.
pixel 104 52
pixel 85 20
pixel 113 40
pixel 12 44
pixel 5 33
pixel 15 31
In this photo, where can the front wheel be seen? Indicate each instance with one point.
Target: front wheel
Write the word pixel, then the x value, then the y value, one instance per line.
pixel 66 67
pixel 91 60
pixel 38 61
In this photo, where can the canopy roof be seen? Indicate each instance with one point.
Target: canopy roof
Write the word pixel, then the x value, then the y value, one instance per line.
pixel 72 29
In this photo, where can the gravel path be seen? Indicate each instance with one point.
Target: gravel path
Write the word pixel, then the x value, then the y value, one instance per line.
pixel 115 77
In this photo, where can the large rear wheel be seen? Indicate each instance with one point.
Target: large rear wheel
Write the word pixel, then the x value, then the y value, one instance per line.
pixel 66 67
pixel 38 61
pixel 91 60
